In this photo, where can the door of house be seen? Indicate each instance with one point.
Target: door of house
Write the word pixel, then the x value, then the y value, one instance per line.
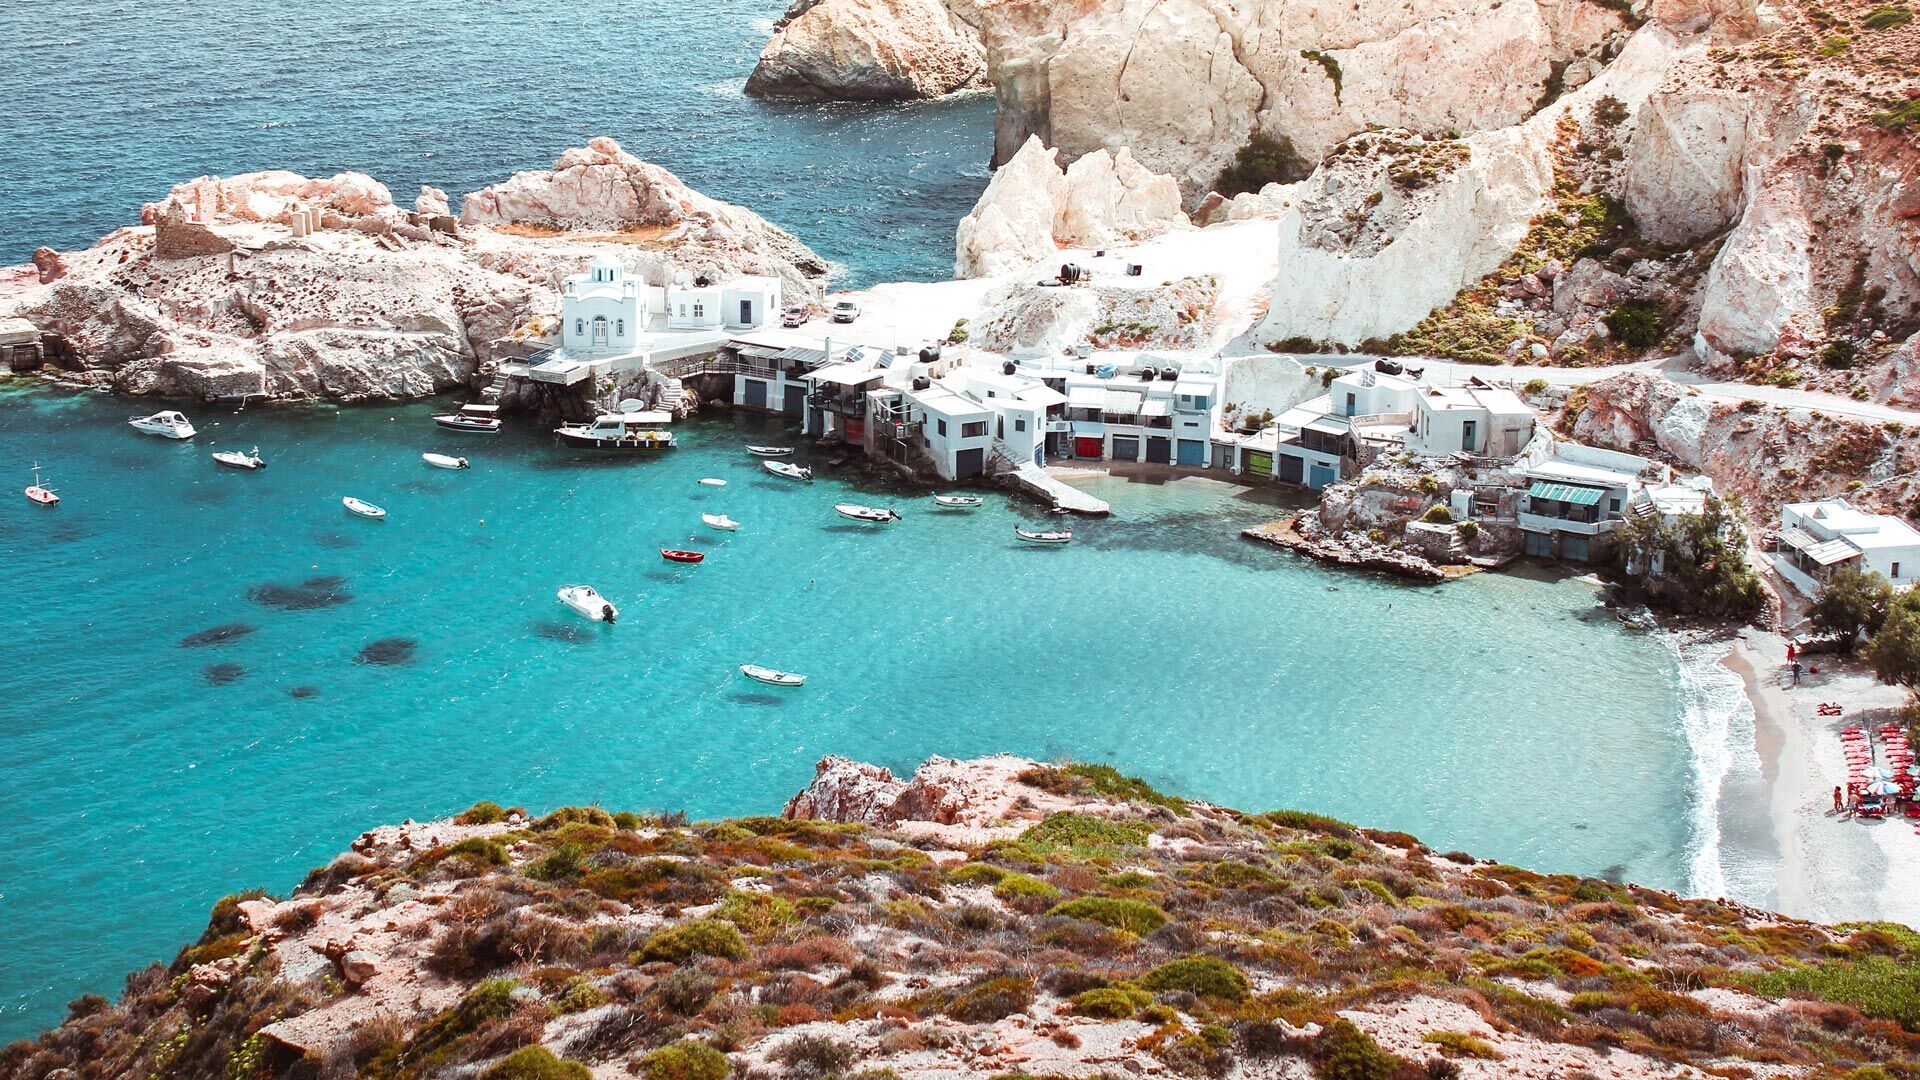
pixel 746 313
pixel 1539 545
pixel 796 399
pixel 757 393
pixel 599 331
pixel 1321 475
pixel 1467 433
pixel 1193 452
pixel 1086 447
pixel 1159 451
pixel 969 463
pixel 1290 469
pixel 1126 448
pixel 1259 463
pixel 1574 547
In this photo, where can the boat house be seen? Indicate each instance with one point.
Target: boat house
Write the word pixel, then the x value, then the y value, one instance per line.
pixel 1817 537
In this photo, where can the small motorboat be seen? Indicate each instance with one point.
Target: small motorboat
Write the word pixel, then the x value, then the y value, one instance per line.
pixel 771 677
pixel 865 513
pixel 589 603
pixel 444 461
pixel 679 555
pixel 39 492
pixel 234 459
pixel 769 451
pixel 957 502
pixel 484 419
pixel 167 425
pixel 713 481
pixel 719 521
pixel 363 508
pixel 1043 536
pixel 633 432
pixel 788 469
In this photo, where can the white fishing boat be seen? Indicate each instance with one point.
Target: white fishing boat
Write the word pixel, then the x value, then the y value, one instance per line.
pixel 363 508
pixel 444 461
pixel 234 459
pixel 629 432
pixel 484 419
pixel 788 469
pixel 713 481
pixel 865 513
pixel 38 491
pixel 167 425
pixel 590 604
pixel 719 521
pixel 1043 536
pixel 769 451
pixel 772 677
pixel 958 502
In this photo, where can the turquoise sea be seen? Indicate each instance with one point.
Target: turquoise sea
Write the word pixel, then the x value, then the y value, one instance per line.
pixel 1506 714
pixel 111 102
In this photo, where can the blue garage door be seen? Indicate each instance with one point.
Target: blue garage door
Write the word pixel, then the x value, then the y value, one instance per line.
pixel 1320 476
pixel 796 399
pixel 1193 452
pixel 969 463
pixel 757 393
pixel 1290 465
pixel 1159 450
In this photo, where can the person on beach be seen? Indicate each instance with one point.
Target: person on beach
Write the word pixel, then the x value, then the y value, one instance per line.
pixel 1796 673
pixel 1836 798
pixel 1791 654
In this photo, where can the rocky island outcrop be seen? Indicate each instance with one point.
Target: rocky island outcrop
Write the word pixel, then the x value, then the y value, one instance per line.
pixel 295 287
pixel 987 917
pixel 869 50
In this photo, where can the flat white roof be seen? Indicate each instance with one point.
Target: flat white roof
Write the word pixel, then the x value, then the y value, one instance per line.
pixel 1041 395
pixel 1581 474
pixel 1086 397
pixel 1862 528
pixel 948 404
pixel 1190 387
pixel 851 373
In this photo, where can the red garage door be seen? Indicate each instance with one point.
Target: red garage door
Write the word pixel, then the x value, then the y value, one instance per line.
pixel 1088 448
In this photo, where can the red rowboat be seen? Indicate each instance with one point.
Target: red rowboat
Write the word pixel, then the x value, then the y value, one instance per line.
pixel 676 555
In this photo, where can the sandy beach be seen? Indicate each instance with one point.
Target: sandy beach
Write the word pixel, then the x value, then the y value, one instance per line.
pixel 1831 869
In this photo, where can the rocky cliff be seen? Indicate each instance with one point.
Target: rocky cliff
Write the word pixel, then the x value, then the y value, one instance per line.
pixel 989 917
pixel 299 287
pixel 869 50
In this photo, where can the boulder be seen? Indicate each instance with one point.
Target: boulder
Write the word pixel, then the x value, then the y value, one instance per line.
pixel 1684 162
pixel 1586 289
pixel 431 202
pixel 177 236
pixel 357 966
pixel 1112 198
pixel 48 265
pixel 1032 207
pixel 1761 279
pixel 870 50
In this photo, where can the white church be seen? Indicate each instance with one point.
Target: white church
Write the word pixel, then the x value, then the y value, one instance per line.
pixel 607 312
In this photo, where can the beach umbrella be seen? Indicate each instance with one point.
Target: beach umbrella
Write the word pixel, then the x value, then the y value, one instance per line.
pixel 1882 787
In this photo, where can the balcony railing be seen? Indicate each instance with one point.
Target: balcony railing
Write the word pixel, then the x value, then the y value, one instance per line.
pixel 1547 523
pixel 834 403
pixel 1053 427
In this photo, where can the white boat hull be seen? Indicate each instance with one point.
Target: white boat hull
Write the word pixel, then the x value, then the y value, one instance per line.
pixel 442 461
pixel 1051 537
pixel 174 426
pixel 461 423
pixel 588 603
pixel 865 513
pixel 770 451
pixel 771 677
pixel 790 471
pixel 719 521
pixel 958 502
pixel 362 508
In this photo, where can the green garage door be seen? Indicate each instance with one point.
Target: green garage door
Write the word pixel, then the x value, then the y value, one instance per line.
pixel 1259 463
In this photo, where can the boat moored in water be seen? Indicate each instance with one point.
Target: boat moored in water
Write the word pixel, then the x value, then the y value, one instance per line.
pixel 769 451
pixel 1043 536
pixel 788 469
pixel 627 432
pixel 167 425
pixel 484 419
pixel 39 492
pixel 957 502
pixel 363 508
pixel 712 481
pixel 771 676
pixel 719 521
pixel 865 513
pixel 590 604
pixel 679 555
pixel 444 461
pixel 234 459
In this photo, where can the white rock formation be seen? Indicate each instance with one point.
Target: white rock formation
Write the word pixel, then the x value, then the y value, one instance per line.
pixel 870 50
pixel 1337 288
pixel 1761 280
pixel 1683 177
pixel 1031 207
pixel 431 201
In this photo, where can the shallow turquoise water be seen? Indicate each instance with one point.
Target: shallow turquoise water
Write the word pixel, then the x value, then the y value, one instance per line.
pixel 124 100
pixel 1504 714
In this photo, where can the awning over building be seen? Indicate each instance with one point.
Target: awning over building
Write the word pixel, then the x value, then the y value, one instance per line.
pixel 1566 493
pixel 1045 397
pixel 1120 401
pixel 1086 397
pixel 1328 425
pixel 1193 389
pixel 1156 407
pixel 1831 551
pixel 849 374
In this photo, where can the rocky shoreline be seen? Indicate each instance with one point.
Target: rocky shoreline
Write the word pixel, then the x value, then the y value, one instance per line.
pixel 992 916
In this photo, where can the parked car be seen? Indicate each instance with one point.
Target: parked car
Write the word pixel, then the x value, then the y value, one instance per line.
pixel 796 315
pixel 846 310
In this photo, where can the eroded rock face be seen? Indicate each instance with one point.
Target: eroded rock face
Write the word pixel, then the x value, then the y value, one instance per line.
pixel 1762 279
pixel 870 50
pixel 1683 178
pixel 1032 207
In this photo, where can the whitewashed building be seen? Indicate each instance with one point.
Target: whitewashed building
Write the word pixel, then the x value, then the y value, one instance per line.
pixel 1576 497
pixel 1817 537
pixel 1481 420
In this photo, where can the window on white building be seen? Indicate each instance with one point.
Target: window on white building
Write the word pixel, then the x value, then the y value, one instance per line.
pixel 620 327
pixel 941 426
pixel 579 327
pixel 699 309
pixel 1896 570
pixel 974 430
pixel 1019 423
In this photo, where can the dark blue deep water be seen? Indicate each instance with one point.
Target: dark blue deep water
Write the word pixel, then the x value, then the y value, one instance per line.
pixel 108 103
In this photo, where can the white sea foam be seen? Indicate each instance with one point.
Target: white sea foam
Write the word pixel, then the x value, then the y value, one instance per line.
pixel 1716 718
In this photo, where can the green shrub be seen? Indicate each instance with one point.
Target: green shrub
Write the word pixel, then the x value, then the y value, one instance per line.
pixel 1468 530
pixel 757 915
pixel 1112 1002
pixel 1015 886
pixel 561 863
pixel 972 873
pixel 1263 160
pixel 1114 784
pixel 1900 117
pixel 1206 976
pixel 1437 515
pixel 991 999
pixel 1839 353
pixel 1328 64
pixel 481 813
pixel 1637 324
pixel 536 1063
pixel 484 848
pixel 1085 835
pixel 1887 17
pixel 1309 822
pixel 1461 1044
pixel 1876 985
pixel 1133 916
pixel 575 815
pixel 1344 1052
pixel 685 1060
pixel 697 937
